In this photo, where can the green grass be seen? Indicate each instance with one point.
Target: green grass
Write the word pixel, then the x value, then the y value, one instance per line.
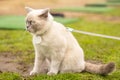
pixel 12 22
pixel 76 76
pixel 67 76
pixel 111 11
pixel 18 22
pixel 85 9
pixel 113 1
pixel 18 42
pixel 10 76
pixel 102 27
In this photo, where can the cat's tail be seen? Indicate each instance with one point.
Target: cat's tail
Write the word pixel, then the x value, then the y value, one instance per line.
pixel 102 69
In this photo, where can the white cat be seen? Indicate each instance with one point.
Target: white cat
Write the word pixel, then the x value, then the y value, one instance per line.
pixel 56 49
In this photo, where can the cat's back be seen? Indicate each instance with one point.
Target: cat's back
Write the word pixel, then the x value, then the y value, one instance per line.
pixel 59 26
pixel 62 30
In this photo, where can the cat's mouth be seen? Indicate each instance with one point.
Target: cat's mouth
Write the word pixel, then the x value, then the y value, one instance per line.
pixel 29 29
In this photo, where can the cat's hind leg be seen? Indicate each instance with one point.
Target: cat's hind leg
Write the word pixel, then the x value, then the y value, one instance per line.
pixel 73 69
pixel 73 63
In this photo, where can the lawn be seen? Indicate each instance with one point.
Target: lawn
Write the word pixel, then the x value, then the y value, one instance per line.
pixel 18 43
pixel 84 9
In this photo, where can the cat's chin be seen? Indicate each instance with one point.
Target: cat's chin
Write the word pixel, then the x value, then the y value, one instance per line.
pixel 31 31
pixel 35 33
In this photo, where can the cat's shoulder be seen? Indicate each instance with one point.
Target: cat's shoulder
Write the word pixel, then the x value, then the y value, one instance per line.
pixel 58 25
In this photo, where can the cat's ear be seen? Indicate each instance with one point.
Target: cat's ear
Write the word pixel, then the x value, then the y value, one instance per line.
pixel 45 13
pixel 28 9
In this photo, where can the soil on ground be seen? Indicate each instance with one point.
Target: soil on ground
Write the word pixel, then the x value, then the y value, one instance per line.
pixel 9 63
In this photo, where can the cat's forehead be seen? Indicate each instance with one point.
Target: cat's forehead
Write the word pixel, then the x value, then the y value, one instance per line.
pixel 34 13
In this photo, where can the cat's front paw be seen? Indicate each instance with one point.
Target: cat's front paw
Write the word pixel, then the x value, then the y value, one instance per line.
pixel 33 72
pixel 51 73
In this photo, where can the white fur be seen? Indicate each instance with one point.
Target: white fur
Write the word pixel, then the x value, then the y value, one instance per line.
pixel 59 47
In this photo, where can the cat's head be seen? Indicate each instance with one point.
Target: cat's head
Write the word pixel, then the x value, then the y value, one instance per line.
pixel 38 21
